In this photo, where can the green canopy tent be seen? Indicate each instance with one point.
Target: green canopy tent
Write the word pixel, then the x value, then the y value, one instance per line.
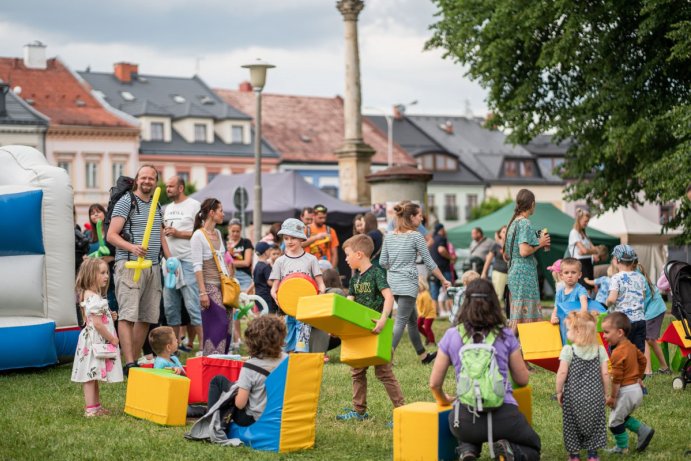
pixel 546 215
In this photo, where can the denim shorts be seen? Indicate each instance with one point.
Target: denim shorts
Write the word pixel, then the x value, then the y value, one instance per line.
pixel 189 293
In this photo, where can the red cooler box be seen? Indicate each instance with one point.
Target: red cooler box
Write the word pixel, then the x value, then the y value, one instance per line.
pixel 201 370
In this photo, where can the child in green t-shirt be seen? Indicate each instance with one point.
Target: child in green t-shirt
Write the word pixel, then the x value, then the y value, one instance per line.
pixel 368 287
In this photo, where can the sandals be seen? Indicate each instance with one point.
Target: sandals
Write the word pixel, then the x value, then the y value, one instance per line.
pixel 100 412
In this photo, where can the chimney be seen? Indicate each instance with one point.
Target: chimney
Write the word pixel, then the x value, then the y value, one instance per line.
pixel 245 87
pixel 397 112
pixel 125 71
pixel 35 55
pixel 4 88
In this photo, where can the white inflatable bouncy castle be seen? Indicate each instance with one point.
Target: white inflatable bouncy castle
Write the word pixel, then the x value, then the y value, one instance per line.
pixel 38 320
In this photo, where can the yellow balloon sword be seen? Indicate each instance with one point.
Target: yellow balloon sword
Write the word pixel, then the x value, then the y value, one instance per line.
pixel 142 263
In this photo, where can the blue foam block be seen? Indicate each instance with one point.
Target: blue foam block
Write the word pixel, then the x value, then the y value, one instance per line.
pixel 266 432
pixel 28 346
pixel 20 228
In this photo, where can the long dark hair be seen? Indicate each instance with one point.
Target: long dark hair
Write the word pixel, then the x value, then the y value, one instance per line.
pixel 370 222
pixel 93 234
pixel 525 199
pixel 208 205
pixel 480 311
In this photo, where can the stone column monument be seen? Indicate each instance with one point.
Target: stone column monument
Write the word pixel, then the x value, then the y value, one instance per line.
pixel 354 156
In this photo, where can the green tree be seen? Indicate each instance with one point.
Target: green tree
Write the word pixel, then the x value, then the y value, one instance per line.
pixel 487 207
pixel 190 188
pixel 614 77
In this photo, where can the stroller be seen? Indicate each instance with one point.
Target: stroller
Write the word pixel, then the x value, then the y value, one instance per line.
pixel 678 274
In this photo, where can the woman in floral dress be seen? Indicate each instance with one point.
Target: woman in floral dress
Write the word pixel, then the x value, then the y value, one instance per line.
pixel 521 243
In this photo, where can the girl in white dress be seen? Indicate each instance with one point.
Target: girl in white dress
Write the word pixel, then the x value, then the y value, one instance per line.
pixel 98 356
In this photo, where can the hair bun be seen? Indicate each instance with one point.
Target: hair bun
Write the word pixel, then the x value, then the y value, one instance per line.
pixel 398 209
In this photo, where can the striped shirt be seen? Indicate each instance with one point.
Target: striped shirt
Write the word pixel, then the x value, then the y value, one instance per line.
pixel 398 255
pixel 136 227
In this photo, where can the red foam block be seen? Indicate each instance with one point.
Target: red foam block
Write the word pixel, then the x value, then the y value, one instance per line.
pixel 201 370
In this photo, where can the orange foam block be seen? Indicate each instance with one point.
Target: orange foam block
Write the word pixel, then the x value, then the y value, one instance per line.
pixel 292 288
pixel 541 344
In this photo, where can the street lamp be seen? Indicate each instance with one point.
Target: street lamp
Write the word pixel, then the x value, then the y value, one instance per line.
pixel 258 79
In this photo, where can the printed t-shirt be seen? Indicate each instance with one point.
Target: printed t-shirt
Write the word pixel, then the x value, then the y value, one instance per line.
pixel 238 253
pixel 630 287
pixel 303 264
pixel 366 287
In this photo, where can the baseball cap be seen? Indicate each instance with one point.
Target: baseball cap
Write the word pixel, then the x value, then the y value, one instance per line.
pixel 320 209
pixel 263 247
pixel 294 228
pixel 624 253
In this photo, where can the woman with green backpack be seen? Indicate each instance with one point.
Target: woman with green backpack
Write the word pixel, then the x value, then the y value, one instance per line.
pixel 483 351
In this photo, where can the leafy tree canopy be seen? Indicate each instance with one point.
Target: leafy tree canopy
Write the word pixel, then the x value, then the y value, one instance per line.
pixel 488 206
pixel 190 188
pixel 613 77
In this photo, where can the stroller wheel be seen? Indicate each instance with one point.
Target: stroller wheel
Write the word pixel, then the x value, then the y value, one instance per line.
pixel 677 384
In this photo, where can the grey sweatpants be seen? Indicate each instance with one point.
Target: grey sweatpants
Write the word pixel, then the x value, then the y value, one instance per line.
pixel 406 315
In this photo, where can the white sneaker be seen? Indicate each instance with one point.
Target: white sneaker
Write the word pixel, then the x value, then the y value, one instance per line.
pixel 145 361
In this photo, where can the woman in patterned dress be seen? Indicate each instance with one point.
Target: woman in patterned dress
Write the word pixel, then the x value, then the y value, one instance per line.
pixel 520 246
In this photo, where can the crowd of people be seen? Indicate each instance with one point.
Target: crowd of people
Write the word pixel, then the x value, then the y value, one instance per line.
pixel 400 272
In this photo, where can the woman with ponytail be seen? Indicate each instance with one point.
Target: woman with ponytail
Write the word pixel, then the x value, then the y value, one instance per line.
pixel 398 254
pixel 216 318
pixel 520 246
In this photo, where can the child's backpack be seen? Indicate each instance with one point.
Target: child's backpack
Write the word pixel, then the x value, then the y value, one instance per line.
pixel 480 385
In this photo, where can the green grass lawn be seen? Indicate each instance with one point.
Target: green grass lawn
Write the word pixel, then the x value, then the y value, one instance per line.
pixel 41 418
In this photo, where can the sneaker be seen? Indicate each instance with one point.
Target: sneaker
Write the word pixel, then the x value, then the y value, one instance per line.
pixel 645 434
pixel 574 457
pixel 429 358
pixel 617 451
pixel 145 361
pixel 664 371
pixel 502 450
pixel 352 414
pixel 126 368
pixel 467 456
pixel 593 458
pixel 645 390
pixel 184 348
pixel 389 424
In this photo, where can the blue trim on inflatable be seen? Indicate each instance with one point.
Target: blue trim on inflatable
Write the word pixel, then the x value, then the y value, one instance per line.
pixel 447 442
pixel 27 346
pixel 20 229
pixel 265 434
pixel 66 344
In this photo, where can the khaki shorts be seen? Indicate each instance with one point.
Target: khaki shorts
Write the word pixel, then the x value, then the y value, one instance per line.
pixel 139 301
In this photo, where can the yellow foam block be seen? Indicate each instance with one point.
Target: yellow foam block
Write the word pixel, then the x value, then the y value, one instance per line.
pixel 686 343
pixel 157 395
pixel 292 288
pixel 421 432
pixel 539 340
pixel 524 397
pixel 303 384
pixel 368 350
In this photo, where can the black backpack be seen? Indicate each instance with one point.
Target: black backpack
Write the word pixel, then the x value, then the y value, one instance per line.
pixel 123 185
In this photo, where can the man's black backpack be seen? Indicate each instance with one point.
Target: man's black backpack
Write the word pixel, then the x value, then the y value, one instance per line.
pixel 123 185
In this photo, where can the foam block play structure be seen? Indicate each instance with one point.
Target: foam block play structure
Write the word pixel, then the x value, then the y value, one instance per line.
pixel 674 334
pixel 292 288
pixel 541 344
pixel 352 323
pixel 289 419
pixel 421 429
pixel 38 320
pixel 157 395
pixel 201 370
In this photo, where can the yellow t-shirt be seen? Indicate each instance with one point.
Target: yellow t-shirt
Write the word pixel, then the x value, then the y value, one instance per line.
pixel 425 306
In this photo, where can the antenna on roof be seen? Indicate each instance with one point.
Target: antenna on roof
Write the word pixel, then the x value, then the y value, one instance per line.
pixel 197 64
pixel 468 109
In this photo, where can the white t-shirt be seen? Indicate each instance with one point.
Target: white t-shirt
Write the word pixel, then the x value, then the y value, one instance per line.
pixel 181 217
pixel 574 237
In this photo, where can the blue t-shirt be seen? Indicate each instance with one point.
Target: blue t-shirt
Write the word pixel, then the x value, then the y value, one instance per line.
pixel 654 305
pixel 602 284
pixel 574 296
pixel 630 287
pixel 174 362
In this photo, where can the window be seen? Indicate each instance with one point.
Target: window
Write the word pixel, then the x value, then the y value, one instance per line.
pixel 450 207
pixel 438 162
pixel 91 174
pixel 236 134
pixel 199 132
pixel 331 190
pixel 184 175
pixel 127 96
pixel 118 170
pixel 470 203
pixel 519 168
pixel 178 99
pixel 210 176
pixel 156 131
pixel 430 204
pixel 510 168
pixel 65 165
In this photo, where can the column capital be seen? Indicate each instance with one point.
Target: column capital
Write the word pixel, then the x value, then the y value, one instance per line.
pixel 350 9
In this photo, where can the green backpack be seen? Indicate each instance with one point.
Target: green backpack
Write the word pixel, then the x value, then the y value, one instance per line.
pixel 480 385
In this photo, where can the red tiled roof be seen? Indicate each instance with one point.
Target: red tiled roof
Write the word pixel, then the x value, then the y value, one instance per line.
pixel 309 128
pixel 56 92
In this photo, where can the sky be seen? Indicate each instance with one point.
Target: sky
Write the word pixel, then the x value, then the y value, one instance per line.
pixel 213 38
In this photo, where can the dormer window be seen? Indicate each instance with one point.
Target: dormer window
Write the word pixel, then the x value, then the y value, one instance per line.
pixel 438 162
pixel 127 96
pixel 178 99
pixel 156 131
pixel 199 132
pixel 237 134
pixel 519 169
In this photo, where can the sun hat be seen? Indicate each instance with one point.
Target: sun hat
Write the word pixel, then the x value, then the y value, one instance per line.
pixel 294 228
pixel 263 247
pixel 556 267
pixel 624 253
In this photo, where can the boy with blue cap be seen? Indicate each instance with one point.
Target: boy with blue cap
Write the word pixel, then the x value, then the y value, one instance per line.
pixel 627 293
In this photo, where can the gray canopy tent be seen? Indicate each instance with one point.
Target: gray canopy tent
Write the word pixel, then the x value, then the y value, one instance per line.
pixel 284 195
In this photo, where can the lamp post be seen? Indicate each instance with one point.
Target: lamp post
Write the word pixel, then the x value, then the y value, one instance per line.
pixel 258 79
